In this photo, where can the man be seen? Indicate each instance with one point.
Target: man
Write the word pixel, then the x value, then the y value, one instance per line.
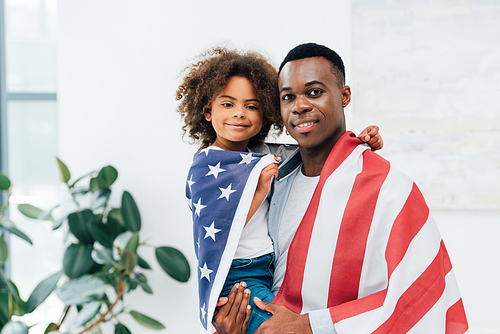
pixel 356 248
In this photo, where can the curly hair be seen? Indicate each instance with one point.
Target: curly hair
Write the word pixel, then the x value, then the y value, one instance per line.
pixel 208 76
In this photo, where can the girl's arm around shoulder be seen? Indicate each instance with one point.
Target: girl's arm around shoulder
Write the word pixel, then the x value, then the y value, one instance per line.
pixel 372 137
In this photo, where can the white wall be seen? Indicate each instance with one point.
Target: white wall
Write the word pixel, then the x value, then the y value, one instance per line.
pixel 118 63
pixel 428 73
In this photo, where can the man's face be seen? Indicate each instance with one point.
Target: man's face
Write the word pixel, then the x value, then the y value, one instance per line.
pixel 312 103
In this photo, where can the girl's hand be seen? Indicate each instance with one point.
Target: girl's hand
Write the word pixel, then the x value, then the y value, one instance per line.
pixel 263 187
pixel 265 179
pixel 372 137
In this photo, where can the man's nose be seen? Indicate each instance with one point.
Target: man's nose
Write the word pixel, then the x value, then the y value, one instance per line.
pixel 302 105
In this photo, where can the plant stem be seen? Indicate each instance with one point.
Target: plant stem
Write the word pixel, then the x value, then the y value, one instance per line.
pixel 119 293
pixel 73 196
pixel 66 310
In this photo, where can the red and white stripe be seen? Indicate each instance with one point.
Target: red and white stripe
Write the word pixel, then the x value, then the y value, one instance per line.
pixel 369 250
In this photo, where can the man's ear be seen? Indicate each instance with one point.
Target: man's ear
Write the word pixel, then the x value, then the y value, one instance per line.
pixel 208 116
pixel 346 96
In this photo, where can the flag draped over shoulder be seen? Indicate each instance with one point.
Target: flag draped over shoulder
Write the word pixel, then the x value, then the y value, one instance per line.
pixel 220 188
pixel 369 252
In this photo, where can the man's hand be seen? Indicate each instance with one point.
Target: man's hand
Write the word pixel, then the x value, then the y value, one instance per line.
pixel 233 313
pixel 371 136
pixel 283 320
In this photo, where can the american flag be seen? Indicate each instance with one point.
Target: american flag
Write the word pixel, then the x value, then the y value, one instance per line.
pixel 219 188
pixel 369 252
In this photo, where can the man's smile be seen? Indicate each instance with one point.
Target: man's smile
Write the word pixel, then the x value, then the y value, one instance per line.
pixel 304 125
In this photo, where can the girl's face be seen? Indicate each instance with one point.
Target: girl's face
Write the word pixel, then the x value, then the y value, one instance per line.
pixel 236 115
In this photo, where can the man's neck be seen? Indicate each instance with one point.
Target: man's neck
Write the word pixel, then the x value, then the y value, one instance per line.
pixel 314 158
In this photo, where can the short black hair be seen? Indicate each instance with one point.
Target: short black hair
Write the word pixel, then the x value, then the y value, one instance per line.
pixel 309 50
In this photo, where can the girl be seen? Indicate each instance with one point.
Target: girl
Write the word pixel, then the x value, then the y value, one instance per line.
pixel 229 103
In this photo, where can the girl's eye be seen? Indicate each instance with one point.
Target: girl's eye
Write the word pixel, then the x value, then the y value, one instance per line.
pixel 227 105
pixel 315 92
pixel 253 107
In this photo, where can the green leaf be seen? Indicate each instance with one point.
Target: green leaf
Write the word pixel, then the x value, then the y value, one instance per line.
pixel 78 225
pixel 51 327
pixel 47 214
pixel 121 329
pixel 122 240
pixel 142 280
pixel 129 261
pixel 96 184
pixel 64 173
pixel 58 223
pixel 88 312
pixel 108 175
pixel 133 243
pixel 29 210
pixel 116 216
pixel 19 304
pixel 130 213
pixel 4 182
pixel 146 321
pixel 10 228
pixel 4 251
pixel 80 178
pixel 101 198
pixel 173 262
pixel 99 232
pixel 6 283
pixel 104 256
pixel 77 260
pixel 42 291
pixel 142 263
pixel 82 290
pixel 114 223
pixel 15 327
pixel 4 307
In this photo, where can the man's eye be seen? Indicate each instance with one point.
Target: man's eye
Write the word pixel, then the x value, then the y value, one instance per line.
pixel 287 97
pixel 315 92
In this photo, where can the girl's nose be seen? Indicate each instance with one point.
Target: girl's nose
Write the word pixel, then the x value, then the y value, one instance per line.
pixel 238 113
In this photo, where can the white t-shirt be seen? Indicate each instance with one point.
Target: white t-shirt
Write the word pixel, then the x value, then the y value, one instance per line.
pixel 295 208
pixel 255 240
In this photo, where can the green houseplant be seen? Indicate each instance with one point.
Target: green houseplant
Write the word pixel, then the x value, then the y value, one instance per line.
pixel 101 264
pixel 11 303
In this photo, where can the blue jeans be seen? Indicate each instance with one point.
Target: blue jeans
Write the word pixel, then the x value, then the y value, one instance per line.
pixel 258 274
